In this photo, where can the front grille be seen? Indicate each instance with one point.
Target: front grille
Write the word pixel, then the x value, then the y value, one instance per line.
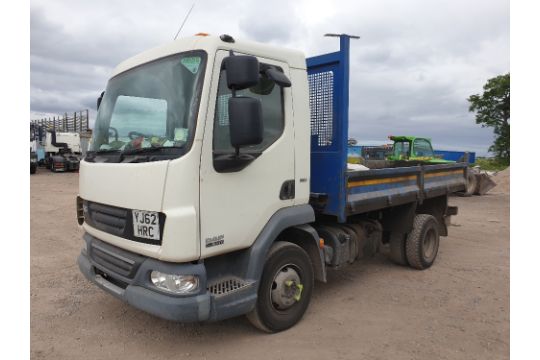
pixel 117 221
pixel 110 260
pixel 227 286
pixel 107 218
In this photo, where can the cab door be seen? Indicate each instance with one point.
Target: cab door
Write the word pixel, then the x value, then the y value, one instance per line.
pixel 236 204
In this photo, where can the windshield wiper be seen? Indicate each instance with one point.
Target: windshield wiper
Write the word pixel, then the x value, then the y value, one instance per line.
pixel 105 151
pixel 90 155
pixel 148 150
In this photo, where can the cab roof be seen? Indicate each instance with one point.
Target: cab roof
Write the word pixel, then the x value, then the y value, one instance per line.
pixel 211 44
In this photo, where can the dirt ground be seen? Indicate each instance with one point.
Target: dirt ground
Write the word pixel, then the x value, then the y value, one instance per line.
pixel 458 309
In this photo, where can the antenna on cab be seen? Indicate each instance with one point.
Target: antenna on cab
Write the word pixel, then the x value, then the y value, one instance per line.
pixel 185 19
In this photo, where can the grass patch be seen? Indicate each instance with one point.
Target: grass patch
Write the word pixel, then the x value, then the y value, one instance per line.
pixel 491 164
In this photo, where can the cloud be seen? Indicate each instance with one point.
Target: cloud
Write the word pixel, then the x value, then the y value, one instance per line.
pixel 411 72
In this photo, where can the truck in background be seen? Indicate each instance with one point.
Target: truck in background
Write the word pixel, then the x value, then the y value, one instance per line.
pixel 62 151
pixel 33 149
pixel 226 190
pixel 56 150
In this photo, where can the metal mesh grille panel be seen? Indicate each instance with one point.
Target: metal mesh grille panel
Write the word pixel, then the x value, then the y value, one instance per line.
pixel 321 96
pixel 227 286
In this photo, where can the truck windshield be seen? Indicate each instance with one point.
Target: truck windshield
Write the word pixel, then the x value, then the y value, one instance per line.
pixel 151 108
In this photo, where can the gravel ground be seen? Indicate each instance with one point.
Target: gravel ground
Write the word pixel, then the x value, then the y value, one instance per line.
pixel 458 309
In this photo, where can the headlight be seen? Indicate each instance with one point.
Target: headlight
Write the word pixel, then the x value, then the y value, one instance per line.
pixel 178 284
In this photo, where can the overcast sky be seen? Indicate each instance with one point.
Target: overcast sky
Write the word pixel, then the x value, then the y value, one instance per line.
pixel 411 72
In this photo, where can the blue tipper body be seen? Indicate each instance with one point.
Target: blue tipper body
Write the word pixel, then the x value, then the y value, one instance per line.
pixel 341 193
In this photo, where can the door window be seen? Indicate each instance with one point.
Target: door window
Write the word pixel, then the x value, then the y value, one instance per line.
pixel 271 97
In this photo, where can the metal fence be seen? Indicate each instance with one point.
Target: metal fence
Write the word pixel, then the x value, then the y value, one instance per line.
pixel 77 121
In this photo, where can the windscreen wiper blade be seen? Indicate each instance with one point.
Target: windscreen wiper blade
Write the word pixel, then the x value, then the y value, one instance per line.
pixel 90 155
pixel 144 150
pixel 107 151
pixel 150 149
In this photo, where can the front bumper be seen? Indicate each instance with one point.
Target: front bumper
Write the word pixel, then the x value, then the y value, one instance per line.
pixel 127 276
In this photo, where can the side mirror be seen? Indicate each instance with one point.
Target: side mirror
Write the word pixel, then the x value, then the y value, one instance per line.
pixel 278 77
pixel 245 122
pixel 99 99
pixel 242 71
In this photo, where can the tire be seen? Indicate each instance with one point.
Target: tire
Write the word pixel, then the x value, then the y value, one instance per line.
pixel 277 307
pixel 423 242
pixel 398 253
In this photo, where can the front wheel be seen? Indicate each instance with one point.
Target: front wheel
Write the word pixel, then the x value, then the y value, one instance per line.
pixel 285 288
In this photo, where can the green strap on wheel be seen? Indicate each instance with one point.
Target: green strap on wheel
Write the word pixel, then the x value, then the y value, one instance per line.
pixel 299 288
pixel 298 295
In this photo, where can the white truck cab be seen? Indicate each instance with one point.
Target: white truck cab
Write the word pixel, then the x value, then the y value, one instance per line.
pixel 160 181
pixel 178 95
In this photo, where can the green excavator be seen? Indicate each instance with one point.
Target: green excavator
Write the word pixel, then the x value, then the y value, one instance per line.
pixel 412 150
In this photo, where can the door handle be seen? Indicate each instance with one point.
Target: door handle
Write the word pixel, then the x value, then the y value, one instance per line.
pixel 287 190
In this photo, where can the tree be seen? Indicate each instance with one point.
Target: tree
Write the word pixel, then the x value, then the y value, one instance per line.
pixel 492 109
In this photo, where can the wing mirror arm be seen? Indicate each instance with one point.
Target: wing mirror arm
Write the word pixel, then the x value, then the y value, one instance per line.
pixel 100 98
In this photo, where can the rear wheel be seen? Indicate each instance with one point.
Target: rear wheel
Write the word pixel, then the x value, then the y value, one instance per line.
pixel 285 288
pixel 423 242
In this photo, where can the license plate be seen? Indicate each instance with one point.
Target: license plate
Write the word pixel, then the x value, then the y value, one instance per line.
pixel 146 224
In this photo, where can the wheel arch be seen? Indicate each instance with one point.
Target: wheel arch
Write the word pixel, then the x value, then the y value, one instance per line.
pixel 437 207
pixel 307 238
pixel 280 222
